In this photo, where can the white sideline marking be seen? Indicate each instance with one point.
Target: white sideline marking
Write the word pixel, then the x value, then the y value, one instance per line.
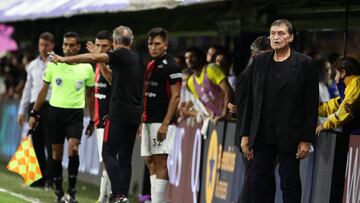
pixel 28 199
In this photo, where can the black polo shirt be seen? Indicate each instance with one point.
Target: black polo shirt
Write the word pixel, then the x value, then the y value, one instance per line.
pixel 127 85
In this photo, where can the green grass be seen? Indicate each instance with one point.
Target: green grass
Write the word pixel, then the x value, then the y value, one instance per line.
pixel 4 197
pixel 13 182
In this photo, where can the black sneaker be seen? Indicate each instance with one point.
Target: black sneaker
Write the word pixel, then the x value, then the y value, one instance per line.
pixel 122 199
pixel 60 198
pixel 49 184
pixel 71 199
pixel 71 196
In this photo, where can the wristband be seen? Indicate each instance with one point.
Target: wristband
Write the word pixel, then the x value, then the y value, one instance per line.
pixel 34 114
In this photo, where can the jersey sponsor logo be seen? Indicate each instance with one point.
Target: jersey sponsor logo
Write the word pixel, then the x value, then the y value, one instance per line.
pixel 100 96
pixel 152 83
pixel 79 84
pixel 150 94
pixel 58 81
pixel 211 167
pixel 101 85
pixel 175 75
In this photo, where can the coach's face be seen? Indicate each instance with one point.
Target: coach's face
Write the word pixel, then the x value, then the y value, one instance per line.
pixel 70 46
pixel 157 46
pixel 280 38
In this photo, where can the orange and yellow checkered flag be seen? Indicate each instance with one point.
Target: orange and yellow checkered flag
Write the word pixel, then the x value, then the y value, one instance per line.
pixel 25 163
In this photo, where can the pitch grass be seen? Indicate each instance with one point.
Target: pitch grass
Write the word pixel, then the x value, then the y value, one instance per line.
pixel 13 182
pixel 8 198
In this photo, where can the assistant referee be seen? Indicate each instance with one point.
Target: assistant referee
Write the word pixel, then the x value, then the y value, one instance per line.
pixel 70 83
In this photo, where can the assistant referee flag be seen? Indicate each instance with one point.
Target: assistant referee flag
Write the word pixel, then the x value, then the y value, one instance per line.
pixel 25 163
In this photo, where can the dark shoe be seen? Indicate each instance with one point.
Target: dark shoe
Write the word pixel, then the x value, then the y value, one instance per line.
pixel 71 196
pixel 119 199
pixel 71 199
pixel 60 198
pixel 49 184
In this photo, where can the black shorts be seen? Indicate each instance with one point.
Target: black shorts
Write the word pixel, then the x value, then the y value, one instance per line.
pixel 65 123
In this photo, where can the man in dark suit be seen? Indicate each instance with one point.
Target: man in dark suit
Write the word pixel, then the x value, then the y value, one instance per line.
pixel 280 115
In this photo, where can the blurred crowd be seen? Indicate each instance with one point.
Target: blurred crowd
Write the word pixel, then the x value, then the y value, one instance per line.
pixel 13 70
pixel 13 73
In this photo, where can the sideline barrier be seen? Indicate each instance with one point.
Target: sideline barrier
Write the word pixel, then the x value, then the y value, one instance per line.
pixel 9 129
pixel 184 164
pixel 208 170
pixel 221 170
pixel 352 175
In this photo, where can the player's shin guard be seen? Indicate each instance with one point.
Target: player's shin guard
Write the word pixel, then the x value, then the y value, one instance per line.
pixel 73 169
pixel 160 187
pixel 57 174
pixel 152 184
pixel 105 187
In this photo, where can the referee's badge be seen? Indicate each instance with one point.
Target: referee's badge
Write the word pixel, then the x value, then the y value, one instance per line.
pixel 58 81
pixel 79 85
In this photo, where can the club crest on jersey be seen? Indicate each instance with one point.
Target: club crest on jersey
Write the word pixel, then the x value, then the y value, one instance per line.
pixel 79 85
pixel 58 81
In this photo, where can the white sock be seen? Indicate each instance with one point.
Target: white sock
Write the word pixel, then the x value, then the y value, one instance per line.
pixel 160 187
pixel 107 186
pixel 103 186
pixel 152 184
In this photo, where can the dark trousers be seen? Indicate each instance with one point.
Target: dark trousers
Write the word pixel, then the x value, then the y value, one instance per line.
pixel 246 190
pixel 245 193
pixel 41 143
pixel 119 140
pixel 263 187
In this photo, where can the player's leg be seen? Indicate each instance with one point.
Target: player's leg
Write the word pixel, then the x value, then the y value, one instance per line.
pixel 74 128
pixel 146 142
pixel 105 186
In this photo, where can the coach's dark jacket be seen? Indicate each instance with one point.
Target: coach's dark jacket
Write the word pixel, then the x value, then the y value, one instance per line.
pixel 297 101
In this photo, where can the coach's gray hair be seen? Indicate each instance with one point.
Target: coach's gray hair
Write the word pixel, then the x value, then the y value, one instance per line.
pixel 285 22
pixel 123 35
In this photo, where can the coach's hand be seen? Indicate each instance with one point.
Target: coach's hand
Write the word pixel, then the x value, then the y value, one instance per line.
pixel 90 47
pixel 162 132
pixel 90 128
pixel 303 150
pixel 55 58
pixel 249 154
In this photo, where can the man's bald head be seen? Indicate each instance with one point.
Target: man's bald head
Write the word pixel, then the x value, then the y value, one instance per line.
pixel 123 35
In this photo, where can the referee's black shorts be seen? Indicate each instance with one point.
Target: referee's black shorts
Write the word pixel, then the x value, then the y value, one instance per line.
pixel 65 123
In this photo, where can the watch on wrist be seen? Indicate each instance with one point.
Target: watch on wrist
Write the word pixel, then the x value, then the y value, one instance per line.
pixel 34 114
